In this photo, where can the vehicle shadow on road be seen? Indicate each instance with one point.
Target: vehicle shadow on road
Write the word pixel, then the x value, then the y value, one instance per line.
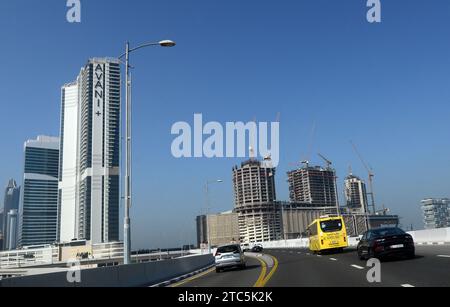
pixel 248 267
pixel 400 259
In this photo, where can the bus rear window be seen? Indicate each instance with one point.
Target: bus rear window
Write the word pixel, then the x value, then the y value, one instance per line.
pixel 331 226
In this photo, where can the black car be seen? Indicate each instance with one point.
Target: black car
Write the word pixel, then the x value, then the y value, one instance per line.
pixel 385 242
pixel 257 249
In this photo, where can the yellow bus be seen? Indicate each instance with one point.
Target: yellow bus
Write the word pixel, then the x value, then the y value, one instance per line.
pixel 327 233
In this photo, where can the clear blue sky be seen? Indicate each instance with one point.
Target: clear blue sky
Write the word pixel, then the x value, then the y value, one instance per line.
pixel 386 86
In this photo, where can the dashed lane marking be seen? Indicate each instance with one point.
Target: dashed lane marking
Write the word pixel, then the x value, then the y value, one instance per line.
pixel 357 267
pixel 333 259
pixel 407 286
pixel 444 256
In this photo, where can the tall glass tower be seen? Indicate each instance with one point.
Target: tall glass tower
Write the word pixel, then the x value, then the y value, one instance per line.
pixel 11 202
pixel 90 154
pixel 39 199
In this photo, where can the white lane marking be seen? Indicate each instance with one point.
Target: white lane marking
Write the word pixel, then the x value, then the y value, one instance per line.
pixel 319 255
pixel 357 267
pixel 407 286
pixel 333 259
pixel 298 252
pixel 308 254
pixel 444 256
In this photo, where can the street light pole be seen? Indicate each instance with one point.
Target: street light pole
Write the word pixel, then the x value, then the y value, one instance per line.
pixel 207 211
pixel 126 225
pixel 128 126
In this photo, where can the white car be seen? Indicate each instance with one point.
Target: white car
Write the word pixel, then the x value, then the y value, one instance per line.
pixel 228 256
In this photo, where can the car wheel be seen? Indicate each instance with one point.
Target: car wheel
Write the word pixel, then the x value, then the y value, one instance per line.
pixel 243 266
pixel 218 270
pixel 360 256
pixel 412 255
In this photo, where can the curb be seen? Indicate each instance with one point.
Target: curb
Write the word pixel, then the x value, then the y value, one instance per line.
pixel 180 278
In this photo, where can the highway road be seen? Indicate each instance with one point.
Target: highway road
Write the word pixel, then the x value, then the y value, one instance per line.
pixel 300 268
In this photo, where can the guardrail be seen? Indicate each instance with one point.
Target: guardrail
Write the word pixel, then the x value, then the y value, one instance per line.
pixel 133 275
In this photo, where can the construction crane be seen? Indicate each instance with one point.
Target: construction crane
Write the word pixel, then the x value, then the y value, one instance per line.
pixel 371 175
pixel 329 164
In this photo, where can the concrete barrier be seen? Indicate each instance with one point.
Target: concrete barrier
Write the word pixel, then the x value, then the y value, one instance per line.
pixel 299 243
pixel 134 275
pixel 431 236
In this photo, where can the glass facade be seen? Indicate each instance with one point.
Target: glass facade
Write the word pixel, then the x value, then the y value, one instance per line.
pixel 39 201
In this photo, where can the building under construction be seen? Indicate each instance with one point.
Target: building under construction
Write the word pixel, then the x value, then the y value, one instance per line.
pixel 313 185
pixel 356 194
pixel 254 199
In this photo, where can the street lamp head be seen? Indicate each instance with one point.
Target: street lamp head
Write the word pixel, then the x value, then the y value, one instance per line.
pixel 219 181
pixel 167 43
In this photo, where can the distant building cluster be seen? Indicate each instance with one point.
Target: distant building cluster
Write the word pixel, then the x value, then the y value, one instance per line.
pixel 313 193
pixel 71 187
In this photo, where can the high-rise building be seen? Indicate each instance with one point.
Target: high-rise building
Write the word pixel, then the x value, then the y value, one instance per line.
pixel 356 194
pixel 254 202
pixel 68 164
pixel 11 225
pixel 11 202
pixel 39 197
pixel 314 185
pixel 90 154
pixel 436 212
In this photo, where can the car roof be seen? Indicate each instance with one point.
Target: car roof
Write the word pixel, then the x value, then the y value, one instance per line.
pixel 226 245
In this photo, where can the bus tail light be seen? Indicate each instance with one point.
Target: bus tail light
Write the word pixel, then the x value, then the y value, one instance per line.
pixel 321 241
pixel 345 239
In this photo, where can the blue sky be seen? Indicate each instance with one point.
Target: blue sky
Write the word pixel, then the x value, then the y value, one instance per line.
pixel 384 86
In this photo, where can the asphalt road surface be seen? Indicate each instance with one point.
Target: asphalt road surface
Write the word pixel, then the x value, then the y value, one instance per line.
pixel 301 268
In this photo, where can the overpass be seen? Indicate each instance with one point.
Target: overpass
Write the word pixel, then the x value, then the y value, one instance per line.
pixel 285 263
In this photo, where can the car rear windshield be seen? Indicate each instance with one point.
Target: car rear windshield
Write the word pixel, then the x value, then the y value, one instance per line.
pixel 385 232
pixel 331 225
pixel 228 249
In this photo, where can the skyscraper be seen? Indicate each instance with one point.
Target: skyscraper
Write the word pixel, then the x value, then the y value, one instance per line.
pixel 68 164
pixel 314 185
pixel 11 225
pixel 254 199
pixel 11 202
pixel 356 194
pixel 90 154
pixel 39 199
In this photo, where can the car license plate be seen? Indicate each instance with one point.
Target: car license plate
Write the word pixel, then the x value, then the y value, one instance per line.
pixel 397 246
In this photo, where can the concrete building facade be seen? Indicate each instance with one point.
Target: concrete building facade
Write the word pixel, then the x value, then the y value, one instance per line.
pixel 314 185
pixel 356 194
pixel 223 229
pixel 255 202
pixel 436 212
